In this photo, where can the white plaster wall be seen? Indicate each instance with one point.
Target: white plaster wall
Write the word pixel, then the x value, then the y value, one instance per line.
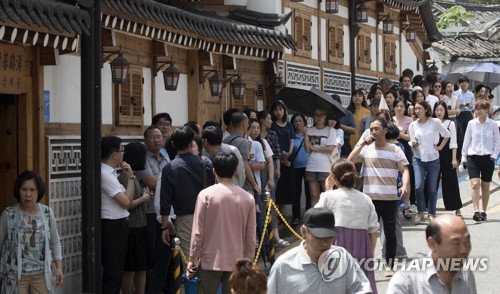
pixel 264 6
pixel 381 53
pixel 173 102
pixel 235 2
pixel 347 51
pixel 314 37
pixel 106 95
pixel 310 3
pixel 147 95
pixel 63 82
pixel 409 60
pixel 324 38
pixel 373 49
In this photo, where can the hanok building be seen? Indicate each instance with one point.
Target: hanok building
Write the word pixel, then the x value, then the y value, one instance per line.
pixel 211 56
pixel 345 45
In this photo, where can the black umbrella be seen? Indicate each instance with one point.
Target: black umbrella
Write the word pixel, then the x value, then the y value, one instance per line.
pixel 306 99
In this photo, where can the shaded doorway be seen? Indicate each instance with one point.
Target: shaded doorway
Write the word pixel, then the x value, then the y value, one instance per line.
pixel 9 161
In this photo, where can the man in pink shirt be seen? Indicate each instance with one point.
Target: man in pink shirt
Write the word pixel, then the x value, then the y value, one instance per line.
pixel 224 228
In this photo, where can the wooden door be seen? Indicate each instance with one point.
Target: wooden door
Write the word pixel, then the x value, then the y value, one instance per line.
pixel 8 148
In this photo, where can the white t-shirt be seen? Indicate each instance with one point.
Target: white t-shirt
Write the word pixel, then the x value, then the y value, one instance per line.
pixel 110 187
pixel 432 100
pixel 319 161
pixel 268 152
pixel 258 156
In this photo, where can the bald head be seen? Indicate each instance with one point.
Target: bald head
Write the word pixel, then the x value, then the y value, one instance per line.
pixel 448 239
pixel 444 223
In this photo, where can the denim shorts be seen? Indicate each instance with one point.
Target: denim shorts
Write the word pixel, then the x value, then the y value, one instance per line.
pixel 316 176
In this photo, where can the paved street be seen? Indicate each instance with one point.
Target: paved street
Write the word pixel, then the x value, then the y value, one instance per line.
pixel 485 237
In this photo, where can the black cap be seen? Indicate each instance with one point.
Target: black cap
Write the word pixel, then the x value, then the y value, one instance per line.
pixel 320 221
pixel 375 101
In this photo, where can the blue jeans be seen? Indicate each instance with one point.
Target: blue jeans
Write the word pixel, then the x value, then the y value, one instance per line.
pixel 431 168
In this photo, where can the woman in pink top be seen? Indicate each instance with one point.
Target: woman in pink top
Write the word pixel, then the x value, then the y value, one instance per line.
pixel 403 121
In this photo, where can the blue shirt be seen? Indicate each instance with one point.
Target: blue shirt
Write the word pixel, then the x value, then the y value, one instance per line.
pixel 181 181
pixel 301 158
pixel 464 98
pixel 347 120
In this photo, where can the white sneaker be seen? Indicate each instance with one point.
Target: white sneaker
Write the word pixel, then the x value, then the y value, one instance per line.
pixel 413 208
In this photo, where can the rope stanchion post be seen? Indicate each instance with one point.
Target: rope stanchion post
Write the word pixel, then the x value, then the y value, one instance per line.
pixel 176 268
pixel 270 239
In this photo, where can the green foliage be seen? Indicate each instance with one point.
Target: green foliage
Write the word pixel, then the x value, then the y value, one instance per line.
pixel 455 16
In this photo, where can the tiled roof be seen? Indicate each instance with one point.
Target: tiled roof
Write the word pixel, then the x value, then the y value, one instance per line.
pixel 202 30
pixel 473 41
pixel 45 16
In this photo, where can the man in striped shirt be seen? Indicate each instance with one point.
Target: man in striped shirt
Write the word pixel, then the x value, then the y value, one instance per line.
pixel 382 161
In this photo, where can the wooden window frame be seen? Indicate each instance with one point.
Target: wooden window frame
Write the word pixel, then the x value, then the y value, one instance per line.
pixel 126 113
pixel 390 51
pixel 335 42
pixel 302 34
pixel 364 50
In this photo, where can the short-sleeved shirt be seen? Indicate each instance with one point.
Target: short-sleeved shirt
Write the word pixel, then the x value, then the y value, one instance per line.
pixel 285 134
pixel 110 187
pixel 295 272
pixel 302 157
pixel 258 157
pixel 464 98
pixel 347 120
pixel 154 166
pixel 318 161
pixel 428 281
pixel 381 166
pixel 243 146
pixel 272 139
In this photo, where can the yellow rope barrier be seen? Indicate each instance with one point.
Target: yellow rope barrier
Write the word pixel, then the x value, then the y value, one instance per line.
pixel 284 221
pixel 266 223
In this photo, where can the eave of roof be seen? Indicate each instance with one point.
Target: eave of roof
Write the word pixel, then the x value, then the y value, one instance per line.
pixel 423 9
pixel 195 29
pixel 24 19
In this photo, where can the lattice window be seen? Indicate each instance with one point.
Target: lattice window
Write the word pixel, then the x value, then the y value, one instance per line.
pixel 364 50
pixel 129 99
pixel 335 42
pixel 302 34
pixel 390 64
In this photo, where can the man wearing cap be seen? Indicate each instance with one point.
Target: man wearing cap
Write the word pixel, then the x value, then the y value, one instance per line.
pixel 316 266
pixel 365 121
pixel 431 99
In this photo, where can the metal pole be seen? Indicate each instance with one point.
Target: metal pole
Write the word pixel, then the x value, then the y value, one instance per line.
pixel 353 32
pixel 91 153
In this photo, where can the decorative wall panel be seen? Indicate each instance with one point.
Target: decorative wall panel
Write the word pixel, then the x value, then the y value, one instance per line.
pixel 337 82
pixel 65 200
pixel 299 74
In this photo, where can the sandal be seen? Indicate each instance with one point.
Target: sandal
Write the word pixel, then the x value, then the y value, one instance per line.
pixel 295 222
pixel 417 220
pixel 282 243
pixel 406 214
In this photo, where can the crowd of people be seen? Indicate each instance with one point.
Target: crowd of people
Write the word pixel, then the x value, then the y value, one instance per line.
pixel 207 185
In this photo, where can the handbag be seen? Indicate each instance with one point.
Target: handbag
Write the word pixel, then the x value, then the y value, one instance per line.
pixel 294 155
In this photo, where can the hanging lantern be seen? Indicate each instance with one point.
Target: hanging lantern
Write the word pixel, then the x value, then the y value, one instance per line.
pixel 332 6
pixel 238 87
pixel 216 85
pixel 362 13
pixel 119 69
pixel 411 35
pixel 388 26
pixel 171 77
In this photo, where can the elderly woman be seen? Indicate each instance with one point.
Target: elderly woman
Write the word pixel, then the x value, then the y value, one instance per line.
pixel 30 241
pixel 355 216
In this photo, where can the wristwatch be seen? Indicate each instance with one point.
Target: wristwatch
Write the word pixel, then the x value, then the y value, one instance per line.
pixel 131 178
